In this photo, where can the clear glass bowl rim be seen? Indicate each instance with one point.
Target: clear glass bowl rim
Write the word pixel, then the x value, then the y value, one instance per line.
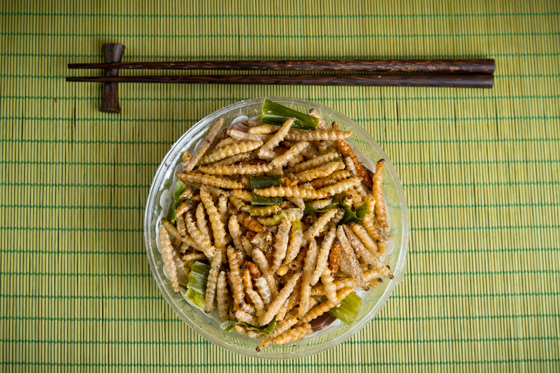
pixel 174 152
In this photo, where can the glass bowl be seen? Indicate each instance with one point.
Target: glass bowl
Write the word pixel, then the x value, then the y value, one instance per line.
pixel 374 300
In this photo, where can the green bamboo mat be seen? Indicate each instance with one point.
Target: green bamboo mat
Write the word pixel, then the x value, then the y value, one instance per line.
pixel 480 170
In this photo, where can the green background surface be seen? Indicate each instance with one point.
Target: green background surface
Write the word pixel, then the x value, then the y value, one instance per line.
pixel 480 169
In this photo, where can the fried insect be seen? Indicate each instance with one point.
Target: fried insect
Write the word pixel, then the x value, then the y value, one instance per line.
pixel 243 157
pixel 257 301
pixel 209 180
pixel 264 290
pixel 246 317
pixel 230 150
pixel 299 202
pixel 260 260
pixel 235 278
pixel 215 219
pixel 250 223
pixel 334 258
pixel 279 299
pixel 329 135
pixel 296 239
pixel 315 162
pixel 209 302
pixel 327 281
pixel 308 266
pixel 346 150
pixel 292 153
pixel 327 305
pixel 244 136
pixel 323 255
pixel 331 179
pixel 340 186
pixel 223 297
pixel 202 243
pixel 183 207
pixel 201 222
pixel 186 157
pixel 365 238
pixel 321 171
pixel 167 254
pixel 318 226
pixel 235 231
pixel 264 129
pixel 212 133
pixel 249 333
pixel 380 209
pixel 290 192
pixel 241 169
pixel 242 195
pixel 292 301
pixel 262 211
pixel 281 244
pixel 225 142
pixel 369 276
pixel 349 255
pixel 293 334
pixel 365 254
pixel 181 228
pixel 266 151
pixel 191 257
pixel 175 233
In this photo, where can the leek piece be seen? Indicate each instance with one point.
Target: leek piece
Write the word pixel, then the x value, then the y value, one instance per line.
pixel 196 288
pixel 265 201
pixel 262 182
pixel 179 189
pixel 273 113
pixel 348 310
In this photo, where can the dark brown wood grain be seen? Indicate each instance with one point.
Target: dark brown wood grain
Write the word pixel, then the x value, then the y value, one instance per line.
pixel 397 80
pixel 113 54
pixel 461 66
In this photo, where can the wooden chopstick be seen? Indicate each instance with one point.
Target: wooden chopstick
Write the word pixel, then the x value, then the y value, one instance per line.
pixel 462 66
pixel 404 80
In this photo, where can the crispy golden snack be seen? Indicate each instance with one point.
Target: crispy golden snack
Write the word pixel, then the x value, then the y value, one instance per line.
pixel 235 278
pixel 183 207
pixel 249 333
pixel 293 334
pixel 366 239
pixel 279 299
pixel 209 180
pixel 246 317
pixel 331 179
pixel 319 225
pixel 380 209
pixel 327 305
pixel 243 157
pixel 346 150
pixel 186 157
pixel 260 260
pixel 329 135
pixel 264 129
pixel 261 210
pixel 181 228
pixel 167 254
pixel 292 301
pixel 209 302
pixel 365 254
pixel 327 281
pixel 319 172
pixel 281 244
pixel 308 267
pixel 191 257
pixel 212 133
pixel 291 154
pixel 266 151
pixel 202 243
pixel 290 192
pixel 250 223
pixel 202 222
pixel 223 207
pixel 340 187
pixel 290 320
pixel 346 282
pixel 225 142
pixel 350 256
pixel 243 195
pixel 241 169
pixel 334 258
pixel 244 136
pixel 230 150
pixel 223 297
pixel 253 123
pixel 175 233
pixel 264 290
pixel 323 255
pixel 218 229
pixel 296 239
pixel 312 163
pixel 257 301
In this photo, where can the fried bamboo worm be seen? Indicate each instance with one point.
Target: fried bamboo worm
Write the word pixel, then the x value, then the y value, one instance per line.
pixel 369 276
pixel 299 202
pixel 366 239
pixel 209 180
pixel 201 222
pixel 365 254
pixel 246 317
pixel 202 243
pixel 215 219
pixel 327 305
pixel 241 169
pixel 319 225
pixel 349 255
pixel 330 288
pixel 345 149
pixel 209 302
pixel 360 188
pixel 296 239
pixel 308 267
pixel 293 152
pixel 253 123
pixel 319 172
pixel 322 124
pixel 222 297
pixel 290 320
pixel 181 228
pixel 279 300
pixel 260 260
pixel 291 192
pixel 236 202
pixel 243 195
pixel 244 136
pixel 281 244
pixel 264 129
pixel 293 334
pixel 257 301
pixel 191 257
pixel 175 233
pixel 250 223
pixel 266 151
pixel 186 157
pixel 317 135
pixel 380 209
pixel 340 186
pixel 225 142
pixel 249 333
pixel 334 258
pixel 262 211
pixel 323 255
pixel 230 150
pixel 235 231
pixel 312 163
pixel 320 203
pixel 212 133
pixel 264 290
pixel 235 277
pixel 167 254
pixel 233 159
pixel 331 179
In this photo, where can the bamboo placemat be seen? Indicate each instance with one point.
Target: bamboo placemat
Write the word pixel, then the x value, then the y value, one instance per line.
pixel 480 170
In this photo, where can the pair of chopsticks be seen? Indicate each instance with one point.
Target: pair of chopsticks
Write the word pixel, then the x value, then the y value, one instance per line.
pixel 467 73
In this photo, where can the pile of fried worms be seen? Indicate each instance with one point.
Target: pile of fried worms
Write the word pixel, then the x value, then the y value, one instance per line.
pixel 274 226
